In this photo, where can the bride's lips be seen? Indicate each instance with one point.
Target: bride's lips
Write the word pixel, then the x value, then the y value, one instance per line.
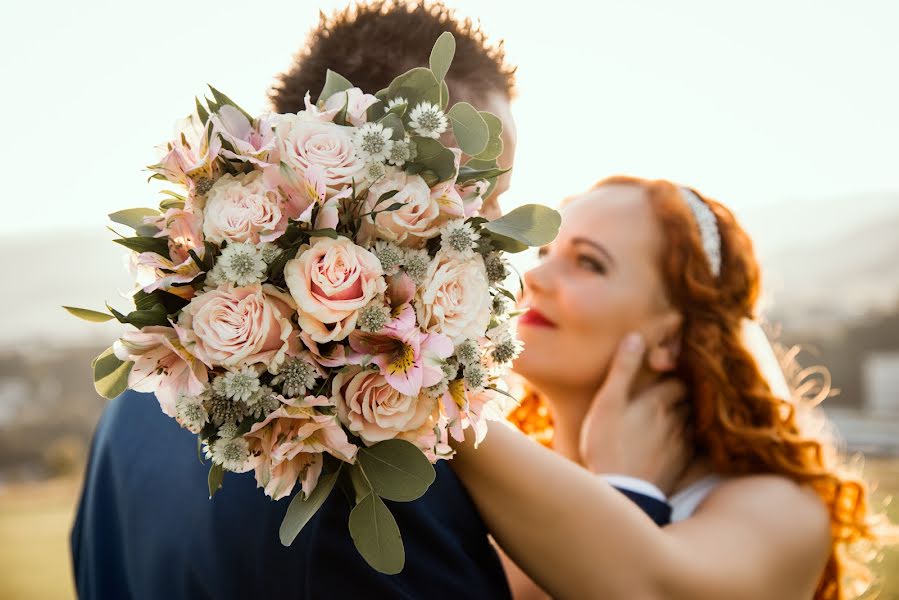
pixel 535 318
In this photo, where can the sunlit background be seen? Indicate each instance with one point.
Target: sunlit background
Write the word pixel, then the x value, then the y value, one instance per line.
pixel 788 112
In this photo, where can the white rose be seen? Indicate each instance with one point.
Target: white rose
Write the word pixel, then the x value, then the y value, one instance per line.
pixel 454 298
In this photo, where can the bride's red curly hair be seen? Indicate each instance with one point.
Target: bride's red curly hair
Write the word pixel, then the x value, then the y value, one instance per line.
pixel 736 420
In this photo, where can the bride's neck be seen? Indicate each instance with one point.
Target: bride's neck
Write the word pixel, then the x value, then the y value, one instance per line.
pixel 569 408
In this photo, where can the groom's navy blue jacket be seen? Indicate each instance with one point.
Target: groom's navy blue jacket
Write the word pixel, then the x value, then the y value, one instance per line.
pixel 146 528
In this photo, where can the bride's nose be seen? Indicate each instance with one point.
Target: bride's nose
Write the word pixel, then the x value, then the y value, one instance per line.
pixel 537 280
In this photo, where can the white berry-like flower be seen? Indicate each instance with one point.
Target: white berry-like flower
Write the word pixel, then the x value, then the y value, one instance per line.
pixel 374 316
pixel 241 385
pixel 459 239
pixel 468 352
pixel 231 452
pixel 242 264
pixel 401 152
pixel 395 102
pixel 475 377
pixel 191 413
pixel 373 142
pixel 416 264
pixel 390 255
pixel 296 377
pixel 374 170
pixel 427 120
pixel 269 252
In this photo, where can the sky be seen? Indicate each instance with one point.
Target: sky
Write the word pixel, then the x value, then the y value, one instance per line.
pixel 755 104
pixel 788 112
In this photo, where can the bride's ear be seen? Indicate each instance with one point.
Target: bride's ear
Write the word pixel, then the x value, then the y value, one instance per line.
pixel 666 347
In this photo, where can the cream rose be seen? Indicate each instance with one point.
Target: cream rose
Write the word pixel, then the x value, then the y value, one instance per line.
pixel 413 223
pixel 372 409
pixel 454 298
pixel 244 209
pixel 304 142
pixel 331 280
pixel 232 326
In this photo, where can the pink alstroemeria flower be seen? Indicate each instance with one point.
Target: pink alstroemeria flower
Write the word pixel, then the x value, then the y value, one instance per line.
pixel 407 358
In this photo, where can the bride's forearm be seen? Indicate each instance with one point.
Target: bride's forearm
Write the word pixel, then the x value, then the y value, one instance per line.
pixel 574 534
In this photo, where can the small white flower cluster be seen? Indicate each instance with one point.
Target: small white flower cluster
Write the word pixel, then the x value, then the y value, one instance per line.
pixel 241 264
pixel 458 239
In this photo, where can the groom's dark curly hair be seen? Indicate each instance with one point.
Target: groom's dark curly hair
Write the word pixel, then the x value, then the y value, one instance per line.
pixel 371 43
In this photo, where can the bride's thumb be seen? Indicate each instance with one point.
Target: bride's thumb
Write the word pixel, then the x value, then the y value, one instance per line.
pixel 623 370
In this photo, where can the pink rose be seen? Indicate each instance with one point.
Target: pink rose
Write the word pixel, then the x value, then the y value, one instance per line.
pixel 244 209
pixel 454 298
pixel 373 409
pixel 161 365
pixel 357 104
pixel 331 280
pixel 415 222
pixel 231 326
pixel 288 445
pixel 304 142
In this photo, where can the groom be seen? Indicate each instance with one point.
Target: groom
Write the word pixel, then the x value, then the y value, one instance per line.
pixel 145 526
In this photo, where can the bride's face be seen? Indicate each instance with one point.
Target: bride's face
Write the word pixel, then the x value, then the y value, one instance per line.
pixel 596 282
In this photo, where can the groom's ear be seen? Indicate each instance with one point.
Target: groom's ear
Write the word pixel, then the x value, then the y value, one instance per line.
pixel 665 346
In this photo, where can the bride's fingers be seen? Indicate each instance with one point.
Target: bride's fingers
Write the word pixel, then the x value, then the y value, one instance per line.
pixel 624 369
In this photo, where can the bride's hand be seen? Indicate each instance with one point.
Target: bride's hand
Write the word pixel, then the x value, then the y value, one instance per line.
pixel 637 434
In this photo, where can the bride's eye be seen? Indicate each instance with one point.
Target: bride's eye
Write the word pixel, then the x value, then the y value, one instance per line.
pixel 591 263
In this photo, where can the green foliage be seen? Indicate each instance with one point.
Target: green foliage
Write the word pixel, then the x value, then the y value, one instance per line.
pixel 416 86
pixel 377 536
pixel 216 475
pixel 85 314
pixel 334 83
pixel 110 374
pixel 397 470
pixel 495 142
pixel 302 509
pixel 442 55
pixel 528 225
pixel 469 127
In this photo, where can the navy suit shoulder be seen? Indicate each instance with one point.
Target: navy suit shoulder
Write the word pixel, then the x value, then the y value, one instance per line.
pixel 146 528
pixel 448 553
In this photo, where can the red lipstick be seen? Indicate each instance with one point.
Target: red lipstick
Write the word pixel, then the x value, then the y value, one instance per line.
pixel 535 318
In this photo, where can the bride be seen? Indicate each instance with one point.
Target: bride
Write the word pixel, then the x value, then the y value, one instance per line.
pixel 649 282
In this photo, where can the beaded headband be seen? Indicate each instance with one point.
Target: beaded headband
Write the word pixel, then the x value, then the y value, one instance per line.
pixel 708 228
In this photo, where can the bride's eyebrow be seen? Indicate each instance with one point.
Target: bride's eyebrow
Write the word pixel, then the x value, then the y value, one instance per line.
pixel 596 246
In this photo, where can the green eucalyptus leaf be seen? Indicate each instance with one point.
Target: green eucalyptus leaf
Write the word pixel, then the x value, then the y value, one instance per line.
pixel 398 110
pixel 302 508
pixel 495 143
pixel 153 316
pixel 89 315
pixel 435 157
pixel 416 86
pixel 145 244
pixel 132 217
pixel 469 127
pixel 377 536
pixel 397 470
pixel 110 374
pixel 531 225
pixel 444 95
pixel 506 244
pixel 334 83
pixel 201 111
pixel 216 475
pixel 442 55
pixel 466 173
pixel 395 123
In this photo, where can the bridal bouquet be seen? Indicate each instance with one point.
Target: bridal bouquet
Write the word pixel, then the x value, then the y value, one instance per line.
pixel 319 301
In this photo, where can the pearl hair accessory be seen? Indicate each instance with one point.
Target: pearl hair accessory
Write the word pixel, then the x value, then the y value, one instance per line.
pixel 708 228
